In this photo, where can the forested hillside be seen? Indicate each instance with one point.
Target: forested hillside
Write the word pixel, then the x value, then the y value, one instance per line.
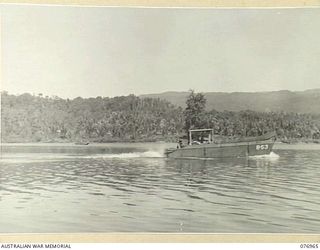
pixel 30 118
pixel 290 127
pixel 126 118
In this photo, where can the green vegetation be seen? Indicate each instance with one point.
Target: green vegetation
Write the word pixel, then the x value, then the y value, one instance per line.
pixel 290 127
pixel 195 111
pixel 29 118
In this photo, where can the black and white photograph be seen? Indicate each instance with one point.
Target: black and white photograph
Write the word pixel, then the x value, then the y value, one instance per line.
pixel 159 119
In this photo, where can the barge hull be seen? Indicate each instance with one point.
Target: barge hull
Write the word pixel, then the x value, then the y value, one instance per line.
pixel 237 149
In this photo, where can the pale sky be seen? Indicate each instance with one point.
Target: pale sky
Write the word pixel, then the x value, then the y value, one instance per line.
pixel 100 51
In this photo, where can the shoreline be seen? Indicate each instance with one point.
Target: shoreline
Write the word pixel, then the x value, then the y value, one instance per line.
pixel 173 139
pixel 70 143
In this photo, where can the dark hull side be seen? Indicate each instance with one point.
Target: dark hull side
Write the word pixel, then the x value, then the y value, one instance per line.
pixel 237 149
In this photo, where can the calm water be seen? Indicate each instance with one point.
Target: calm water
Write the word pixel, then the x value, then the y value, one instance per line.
pixel 132 188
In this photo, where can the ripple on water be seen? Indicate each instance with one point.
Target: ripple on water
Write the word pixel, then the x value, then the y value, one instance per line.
pixel 113 191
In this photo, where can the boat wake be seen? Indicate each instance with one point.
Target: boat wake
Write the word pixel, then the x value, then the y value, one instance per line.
pixel 147 154
pixel 271 156
pixel 28 158
pixel 16 158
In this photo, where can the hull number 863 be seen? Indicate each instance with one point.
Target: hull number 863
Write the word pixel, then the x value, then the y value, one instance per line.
pixel 262 147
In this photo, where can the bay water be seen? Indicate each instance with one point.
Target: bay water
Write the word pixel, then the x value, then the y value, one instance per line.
pixel 132 187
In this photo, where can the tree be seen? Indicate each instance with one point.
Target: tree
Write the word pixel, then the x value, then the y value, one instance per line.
pixel 195 111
